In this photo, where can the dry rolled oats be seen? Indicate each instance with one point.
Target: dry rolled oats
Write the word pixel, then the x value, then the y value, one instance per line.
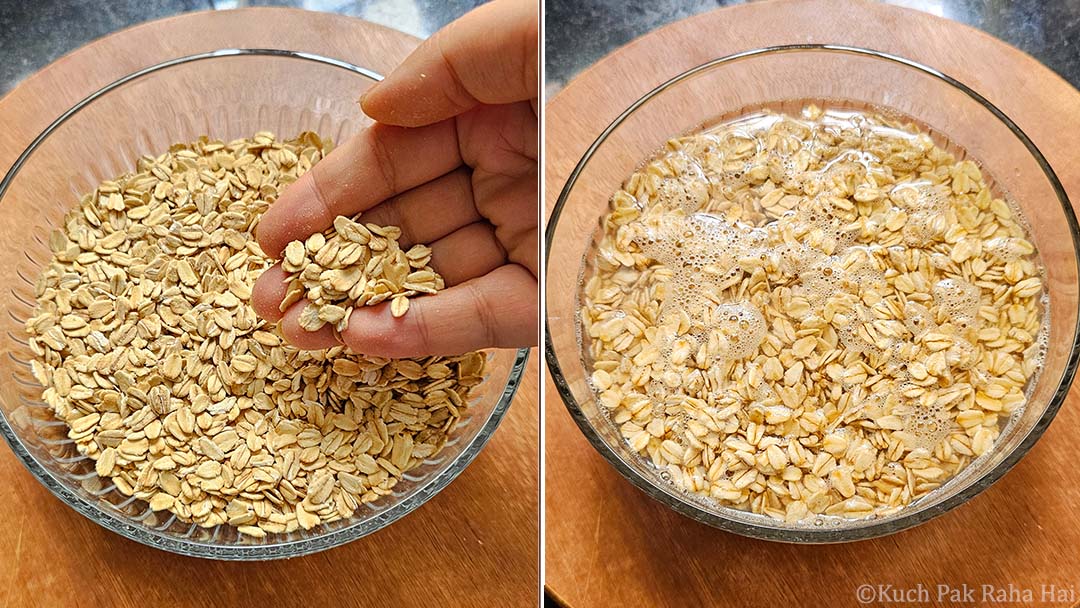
pixel 148 349
pixel 354 264
pixel 816 315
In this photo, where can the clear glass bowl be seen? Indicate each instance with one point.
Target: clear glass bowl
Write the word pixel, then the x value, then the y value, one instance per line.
pixel 225 94
pixel 787 77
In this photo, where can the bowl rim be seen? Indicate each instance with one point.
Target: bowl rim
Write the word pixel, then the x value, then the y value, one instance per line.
pixel 888 525
pixel 271 550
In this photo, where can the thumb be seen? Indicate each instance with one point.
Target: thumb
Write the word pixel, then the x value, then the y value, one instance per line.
pixel 488 56
pixel 497 310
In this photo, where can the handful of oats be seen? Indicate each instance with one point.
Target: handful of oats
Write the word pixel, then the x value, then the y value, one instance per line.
pixel 818 315
pixel 354 264
pixel 147 348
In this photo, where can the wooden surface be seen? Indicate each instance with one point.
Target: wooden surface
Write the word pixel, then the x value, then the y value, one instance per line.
pixel 607 544
pixel 474 544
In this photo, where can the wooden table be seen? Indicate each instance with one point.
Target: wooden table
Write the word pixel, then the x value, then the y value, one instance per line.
pixel 607 544
pixel 475 544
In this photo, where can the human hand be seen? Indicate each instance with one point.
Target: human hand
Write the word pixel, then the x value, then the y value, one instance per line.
pixel 452 160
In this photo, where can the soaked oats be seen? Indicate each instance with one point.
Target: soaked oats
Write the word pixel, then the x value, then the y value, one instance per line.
pixel 817 315
pixel 148 349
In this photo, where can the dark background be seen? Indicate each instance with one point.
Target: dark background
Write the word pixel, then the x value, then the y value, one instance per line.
pixel 579 32
pixel 36 32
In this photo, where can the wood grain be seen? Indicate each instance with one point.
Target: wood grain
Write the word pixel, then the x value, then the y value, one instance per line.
pixel 607 544
pixel 474 544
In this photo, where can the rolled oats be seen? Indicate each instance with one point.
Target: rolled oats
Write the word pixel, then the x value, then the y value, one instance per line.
pixel 354 264
pixel 148 349
pixel 816 315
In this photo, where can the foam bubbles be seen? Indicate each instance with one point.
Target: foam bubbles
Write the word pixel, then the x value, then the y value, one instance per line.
pixel 741 327
pixel 822 279
pixel 1007 249
pixel 957 298
pixel 928 426
pixel 925 205
pixel 705 255
pixel 962 354
pixel 689 193
pixel 1036 353
pixel 918 319
pixel 849 335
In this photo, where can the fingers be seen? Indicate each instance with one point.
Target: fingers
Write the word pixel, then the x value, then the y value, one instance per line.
pixel 489 56
pixel 497 310
pixel 500 142
pixel 269 292
pixel 376 164
pixel 304 339
pixel 467 253
pixel 509 203
pixel 504 138
pixel 464 254
pixel 429 212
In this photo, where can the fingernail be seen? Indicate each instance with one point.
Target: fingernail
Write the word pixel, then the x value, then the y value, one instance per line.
pixel 365 95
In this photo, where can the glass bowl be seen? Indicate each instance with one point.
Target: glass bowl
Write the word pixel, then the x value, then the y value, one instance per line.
pixel 226 94
pixel 788 77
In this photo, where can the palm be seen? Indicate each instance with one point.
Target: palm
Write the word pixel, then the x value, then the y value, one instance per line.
pixel 458 172
pixel 500 144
